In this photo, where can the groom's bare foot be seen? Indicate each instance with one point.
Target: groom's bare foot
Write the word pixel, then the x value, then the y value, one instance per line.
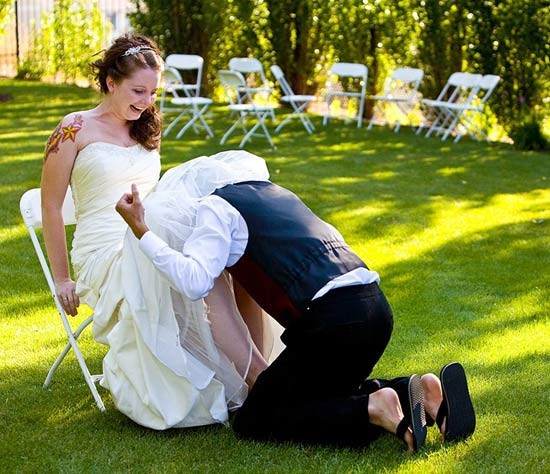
pixel 433 396
pixel 385 411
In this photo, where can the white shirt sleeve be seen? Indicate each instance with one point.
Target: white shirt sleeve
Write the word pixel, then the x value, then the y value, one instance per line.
pixel 218 241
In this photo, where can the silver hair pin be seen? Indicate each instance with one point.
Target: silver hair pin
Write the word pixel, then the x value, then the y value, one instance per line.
pixel 136 49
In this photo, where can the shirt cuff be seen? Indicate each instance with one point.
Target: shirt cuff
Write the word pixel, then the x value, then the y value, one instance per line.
pixel 150 244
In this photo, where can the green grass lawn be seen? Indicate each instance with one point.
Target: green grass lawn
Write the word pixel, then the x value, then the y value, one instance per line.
pixel 459 233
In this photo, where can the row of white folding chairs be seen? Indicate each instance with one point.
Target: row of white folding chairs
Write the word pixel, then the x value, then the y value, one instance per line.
pixel 241 93
pixel 242 101
pixel 445 113
pixel 181 93
pixel 399 90
pixel 453 111
pixel 346 80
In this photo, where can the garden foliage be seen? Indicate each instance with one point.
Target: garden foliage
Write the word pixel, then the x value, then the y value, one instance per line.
pixel 510 38
pixel 63 47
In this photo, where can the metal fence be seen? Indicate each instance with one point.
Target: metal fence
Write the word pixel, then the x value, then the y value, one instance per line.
pixel 26 15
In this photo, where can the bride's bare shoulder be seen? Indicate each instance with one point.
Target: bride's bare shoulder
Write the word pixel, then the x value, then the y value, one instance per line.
pixel 87 124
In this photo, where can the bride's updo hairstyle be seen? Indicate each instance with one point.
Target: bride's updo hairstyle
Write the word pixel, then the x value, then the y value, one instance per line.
pixel 127 54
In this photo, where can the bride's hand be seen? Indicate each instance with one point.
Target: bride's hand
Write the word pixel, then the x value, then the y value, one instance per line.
pixel 66 294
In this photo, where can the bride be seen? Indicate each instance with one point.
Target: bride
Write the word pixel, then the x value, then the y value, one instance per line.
pixel 171 362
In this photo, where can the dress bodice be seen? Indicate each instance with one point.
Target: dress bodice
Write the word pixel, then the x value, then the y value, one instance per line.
pixel 102 173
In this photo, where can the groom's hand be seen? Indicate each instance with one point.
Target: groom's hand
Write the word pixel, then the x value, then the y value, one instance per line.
pixel 130 208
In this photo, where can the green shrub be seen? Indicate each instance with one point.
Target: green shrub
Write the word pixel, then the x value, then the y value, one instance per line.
pixel 6 10
pixel 64 45
pixel 528 136
pixel 32 66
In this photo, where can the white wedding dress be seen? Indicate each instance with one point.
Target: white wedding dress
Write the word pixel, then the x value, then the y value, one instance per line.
pixel 164 367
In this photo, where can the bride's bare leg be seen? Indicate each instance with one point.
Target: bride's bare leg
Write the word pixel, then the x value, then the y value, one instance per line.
pixel 252 314
pixel 231 333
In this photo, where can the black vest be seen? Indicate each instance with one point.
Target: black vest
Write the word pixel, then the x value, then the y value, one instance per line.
pixel 290 253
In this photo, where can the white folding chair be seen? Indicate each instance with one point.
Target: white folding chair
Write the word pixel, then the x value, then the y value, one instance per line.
pixel 256 87
pixel 233 83
pixel 464 114
pixel 460 89
pixel 340 75
pixel 30 206
pixel 401 90
pixel 298 102
pixel 185 95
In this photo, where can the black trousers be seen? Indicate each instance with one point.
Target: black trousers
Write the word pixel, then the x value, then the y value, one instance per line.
pixel 311 392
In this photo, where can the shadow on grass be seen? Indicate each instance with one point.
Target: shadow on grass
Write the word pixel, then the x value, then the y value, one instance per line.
pixel 69 411
pixel 447 299
pixel 381 174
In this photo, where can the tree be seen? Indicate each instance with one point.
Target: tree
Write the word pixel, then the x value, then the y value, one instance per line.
pixel 71 34
pixel 373 32
pixel 442 31
pixel 505 37
pixel 184 26
pixel 5 13
pixel 295 39
pixel 513 41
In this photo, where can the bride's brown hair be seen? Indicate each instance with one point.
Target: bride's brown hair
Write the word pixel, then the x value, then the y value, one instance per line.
pixel 127 54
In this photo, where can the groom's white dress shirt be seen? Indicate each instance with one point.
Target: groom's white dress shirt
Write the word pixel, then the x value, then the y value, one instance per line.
pixel 218 241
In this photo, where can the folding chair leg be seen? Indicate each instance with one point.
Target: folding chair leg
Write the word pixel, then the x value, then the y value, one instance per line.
pixel 173 123
pixel 65 351
pixel 198 115
pixel 448 124
pixel 240 121
pixel 268 136
pixel 327 112
pixel 430 114
pixel 405 109
pixel 376 114
pixel 438 124
pixel 259 123
pixel 298 111
pixel 434 125
pixel 421 127
pixel 191 123
pixel 90 379
pixel 471 129
pixel 208 129
pixel 283 123
pixel 288 118
pixel 450 128
pixel 307 123
pixel 360 114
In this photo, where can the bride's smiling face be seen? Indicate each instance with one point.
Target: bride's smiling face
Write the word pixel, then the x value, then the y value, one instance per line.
pixel 131 96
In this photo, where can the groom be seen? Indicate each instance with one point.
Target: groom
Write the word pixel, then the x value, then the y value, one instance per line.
pixel 337 321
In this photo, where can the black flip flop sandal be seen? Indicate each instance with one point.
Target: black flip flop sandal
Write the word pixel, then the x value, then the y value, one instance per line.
pixel 456 406
pixel 416 414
